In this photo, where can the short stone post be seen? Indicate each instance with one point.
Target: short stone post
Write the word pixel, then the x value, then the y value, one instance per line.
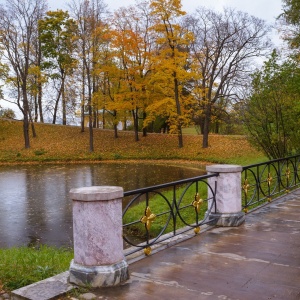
pixel 228 210
pixel 98 244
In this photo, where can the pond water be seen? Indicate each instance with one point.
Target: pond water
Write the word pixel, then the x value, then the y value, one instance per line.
pixel 35 206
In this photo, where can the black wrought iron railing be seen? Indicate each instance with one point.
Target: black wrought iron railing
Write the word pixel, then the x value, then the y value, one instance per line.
pixel 264 181
pixel 154 214
pixel 159 212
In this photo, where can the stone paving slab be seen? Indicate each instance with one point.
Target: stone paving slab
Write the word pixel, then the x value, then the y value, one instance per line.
pixel 259 260
pixel 46 289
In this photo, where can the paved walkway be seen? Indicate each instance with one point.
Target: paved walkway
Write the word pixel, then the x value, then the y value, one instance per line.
pixel 258 260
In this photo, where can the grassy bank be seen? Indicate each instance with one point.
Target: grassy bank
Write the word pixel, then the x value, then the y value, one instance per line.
pixel 26 265
pixel 56 143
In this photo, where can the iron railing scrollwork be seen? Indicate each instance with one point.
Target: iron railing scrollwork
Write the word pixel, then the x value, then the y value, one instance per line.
pixel 157 213
pixel 262 182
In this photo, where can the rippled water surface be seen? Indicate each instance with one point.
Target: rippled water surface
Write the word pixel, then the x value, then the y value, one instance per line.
pixel 34 202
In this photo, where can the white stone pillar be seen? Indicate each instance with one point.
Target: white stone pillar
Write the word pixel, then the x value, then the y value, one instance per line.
pixel 97 232
pixel 228 210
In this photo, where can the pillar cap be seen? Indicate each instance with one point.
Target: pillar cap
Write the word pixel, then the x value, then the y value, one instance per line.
pixel 224 168
pixel 97 193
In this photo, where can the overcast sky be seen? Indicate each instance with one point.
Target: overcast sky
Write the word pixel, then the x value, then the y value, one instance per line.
pixel 264 9
pixel 267 10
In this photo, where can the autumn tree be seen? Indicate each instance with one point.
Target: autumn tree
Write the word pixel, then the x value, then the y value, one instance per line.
pixel 92 28
pixel 36 78
pixel 108 79
pixel 170 64
pixel 223 53
pixel 7 113
pixel 132 41
pixel 291 14
pixel 18 28
pixel 272 112
pixel 57 32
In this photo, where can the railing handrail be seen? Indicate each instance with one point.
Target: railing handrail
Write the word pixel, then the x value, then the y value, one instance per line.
pixel 168 184
pixel 269 162
pixel 176 204
pixel 263 181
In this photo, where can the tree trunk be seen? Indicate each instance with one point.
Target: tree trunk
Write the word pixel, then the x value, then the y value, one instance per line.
pixel 83 98
pixel 95 120
pixel 91 127
pixel 180 138
pixel 32 125
pixel 97 117
pixel 135 124
pixel 206 126
pixel 116 131
pixel 201 124
pixel 39 84
pixel 115 124
pixel 36 114
pixel 82 117
pixel 56 107
pixel 26 132
pixel 125 124
pixel 144 128
pixel 64 110
pixel 179 130
pixel 26 121
pixel 40 93
pixel 103 118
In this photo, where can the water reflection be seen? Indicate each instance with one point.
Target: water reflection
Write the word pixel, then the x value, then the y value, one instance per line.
pixel 34 202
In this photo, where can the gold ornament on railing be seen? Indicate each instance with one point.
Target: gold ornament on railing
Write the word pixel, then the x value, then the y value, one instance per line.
pixel 287 173
pixel 197 203
pixel 246 186
pixel 269 179
pixel 148 218
pixel 147 250
pixel 197 229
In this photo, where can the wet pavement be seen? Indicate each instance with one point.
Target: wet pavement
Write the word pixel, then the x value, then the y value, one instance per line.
pixel 259 260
